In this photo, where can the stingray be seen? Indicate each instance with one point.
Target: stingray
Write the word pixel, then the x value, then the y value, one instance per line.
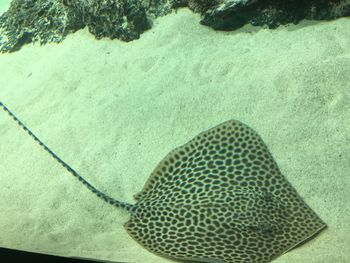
pixel 220 198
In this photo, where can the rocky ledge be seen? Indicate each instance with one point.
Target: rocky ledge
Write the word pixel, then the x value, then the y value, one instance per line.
pixel 47 21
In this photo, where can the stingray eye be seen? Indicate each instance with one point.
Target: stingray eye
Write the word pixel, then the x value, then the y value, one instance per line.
pixel 223 182
pixel 203 202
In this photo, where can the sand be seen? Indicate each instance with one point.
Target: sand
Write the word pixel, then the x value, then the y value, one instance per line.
pixel 113 110
pixel 4 5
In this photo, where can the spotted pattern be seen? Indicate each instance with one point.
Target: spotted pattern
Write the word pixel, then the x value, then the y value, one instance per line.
pixel 221 198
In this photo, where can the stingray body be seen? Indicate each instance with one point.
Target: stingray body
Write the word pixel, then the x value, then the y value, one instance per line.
pixel 220 198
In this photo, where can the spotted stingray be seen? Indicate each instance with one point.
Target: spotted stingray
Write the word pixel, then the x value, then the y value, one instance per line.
pixel 220 198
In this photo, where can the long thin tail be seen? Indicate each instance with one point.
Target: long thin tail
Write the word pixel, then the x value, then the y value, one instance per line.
pixel 100 194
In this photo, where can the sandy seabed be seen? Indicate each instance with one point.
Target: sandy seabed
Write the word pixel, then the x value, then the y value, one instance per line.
pixel 113 110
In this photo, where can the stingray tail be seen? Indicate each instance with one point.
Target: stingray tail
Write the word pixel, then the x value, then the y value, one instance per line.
pixel 128 207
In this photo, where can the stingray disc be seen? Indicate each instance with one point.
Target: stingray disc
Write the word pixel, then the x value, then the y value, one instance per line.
pixel 221 198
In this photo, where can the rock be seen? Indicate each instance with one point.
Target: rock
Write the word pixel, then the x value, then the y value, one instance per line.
pixel 45 21
pixel 123 19
pixel 232 14
pixel 40 21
